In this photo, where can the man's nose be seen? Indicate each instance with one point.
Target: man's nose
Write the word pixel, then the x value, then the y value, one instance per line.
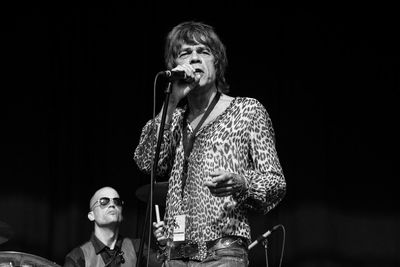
pixel 112 203
pixel 194 58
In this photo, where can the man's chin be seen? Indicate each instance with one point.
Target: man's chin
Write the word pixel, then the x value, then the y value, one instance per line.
pixel 111 221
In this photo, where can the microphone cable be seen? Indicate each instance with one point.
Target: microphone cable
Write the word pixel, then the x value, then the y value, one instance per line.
pixel 149 209
pixel 152 174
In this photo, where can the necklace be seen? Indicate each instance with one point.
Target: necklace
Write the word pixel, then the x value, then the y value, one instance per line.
pixel 197 113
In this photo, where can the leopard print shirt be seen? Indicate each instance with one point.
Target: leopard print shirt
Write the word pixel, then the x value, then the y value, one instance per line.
pixel 241 141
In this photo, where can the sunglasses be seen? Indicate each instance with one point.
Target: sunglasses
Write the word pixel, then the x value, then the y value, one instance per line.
pixel 104 201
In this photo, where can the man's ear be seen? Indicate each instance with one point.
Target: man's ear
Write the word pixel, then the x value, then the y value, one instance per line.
pixel 90 216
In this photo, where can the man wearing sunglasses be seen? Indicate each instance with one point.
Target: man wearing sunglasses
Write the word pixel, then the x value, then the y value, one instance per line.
pixel 106 247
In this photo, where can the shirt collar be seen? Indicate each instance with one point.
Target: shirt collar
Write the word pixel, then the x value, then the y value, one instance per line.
pixel 99 246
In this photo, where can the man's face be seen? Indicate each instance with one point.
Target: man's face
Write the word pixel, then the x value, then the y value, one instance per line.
pixel 106 207
pixel 201 58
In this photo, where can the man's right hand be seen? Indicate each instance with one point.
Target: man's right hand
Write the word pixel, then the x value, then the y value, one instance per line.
pixel 181 89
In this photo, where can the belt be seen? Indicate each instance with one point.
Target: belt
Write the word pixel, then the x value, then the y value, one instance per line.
pixel 189 249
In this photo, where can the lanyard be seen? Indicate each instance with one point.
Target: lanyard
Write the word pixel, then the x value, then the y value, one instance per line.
pixel 188 140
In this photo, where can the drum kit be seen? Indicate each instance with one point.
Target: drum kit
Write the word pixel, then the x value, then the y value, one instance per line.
pixel 15 258
pixel 21 259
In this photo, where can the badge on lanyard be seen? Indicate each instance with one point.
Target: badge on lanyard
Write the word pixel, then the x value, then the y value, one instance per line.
pixel 179 228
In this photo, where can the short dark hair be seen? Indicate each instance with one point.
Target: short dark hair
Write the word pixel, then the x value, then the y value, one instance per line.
pixel 192 33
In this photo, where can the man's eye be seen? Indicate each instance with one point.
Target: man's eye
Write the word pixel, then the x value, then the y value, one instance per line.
pixel 206 52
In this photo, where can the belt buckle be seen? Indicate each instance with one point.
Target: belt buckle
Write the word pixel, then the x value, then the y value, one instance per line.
pixel 227 242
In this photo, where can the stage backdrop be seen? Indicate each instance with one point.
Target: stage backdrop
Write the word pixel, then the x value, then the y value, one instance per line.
pixel 77 87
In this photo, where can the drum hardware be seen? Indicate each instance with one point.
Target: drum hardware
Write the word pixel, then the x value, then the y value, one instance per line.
pixel 5 232
pixel 21 259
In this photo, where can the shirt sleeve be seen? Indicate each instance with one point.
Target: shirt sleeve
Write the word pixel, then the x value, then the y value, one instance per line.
pixel 75 259
pixel 266 185
pixel 144 152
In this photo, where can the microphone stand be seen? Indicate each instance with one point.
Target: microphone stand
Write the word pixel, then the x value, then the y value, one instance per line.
pixel 265 243
pixel 147 219
pixel 263 239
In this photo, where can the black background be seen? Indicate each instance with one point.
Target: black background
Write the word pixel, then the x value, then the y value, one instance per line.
pixel 77 87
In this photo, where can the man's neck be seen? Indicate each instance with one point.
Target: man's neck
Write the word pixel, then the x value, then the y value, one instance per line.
pixel 107 235
pixel 199 101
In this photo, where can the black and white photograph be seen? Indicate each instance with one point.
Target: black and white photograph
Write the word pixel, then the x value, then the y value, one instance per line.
pixel 199 134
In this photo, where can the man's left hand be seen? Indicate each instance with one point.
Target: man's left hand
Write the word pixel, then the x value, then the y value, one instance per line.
pixel 224 183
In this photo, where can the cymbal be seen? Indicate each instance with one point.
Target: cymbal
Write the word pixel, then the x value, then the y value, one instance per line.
pixel 16 258
pixel 159 193
pixel 5 232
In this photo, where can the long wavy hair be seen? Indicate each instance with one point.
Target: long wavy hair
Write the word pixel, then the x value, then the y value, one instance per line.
pixel 193 33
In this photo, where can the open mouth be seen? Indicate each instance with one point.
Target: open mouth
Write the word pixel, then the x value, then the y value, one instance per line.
pixel 198 71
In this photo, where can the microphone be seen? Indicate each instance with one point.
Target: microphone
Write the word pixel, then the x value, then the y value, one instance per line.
pixel 175 75
pixel 262 237
pixel 120 255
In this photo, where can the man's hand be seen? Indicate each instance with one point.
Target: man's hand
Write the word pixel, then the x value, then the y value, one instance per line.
pixel 181 89
pixel 158 231
pixel 224 183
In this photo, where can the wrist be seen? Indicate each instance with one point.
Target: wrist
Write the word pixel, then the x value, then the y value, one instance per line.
pixel 172 104
pixel 242 193
pixel 161 244
pixel 167 126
